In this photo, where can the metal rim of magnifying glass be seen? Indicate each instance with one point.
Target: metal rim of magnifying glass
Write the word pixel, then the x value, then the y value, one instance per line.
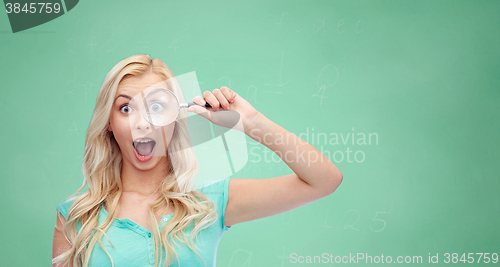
pixel 143 111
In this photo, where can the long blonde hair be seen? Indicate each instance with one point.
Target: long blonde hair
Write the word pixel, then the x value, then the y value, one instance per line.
pixel 102 165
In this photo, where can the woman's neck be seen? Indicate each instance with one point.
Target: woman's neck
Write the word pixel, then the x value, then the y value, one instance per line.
pixel 143 182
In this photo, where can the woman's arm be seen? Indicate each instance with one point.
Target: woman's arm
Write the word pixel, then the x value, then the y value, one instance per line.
pixel 59 243
pixel 314 177
pixel 310 165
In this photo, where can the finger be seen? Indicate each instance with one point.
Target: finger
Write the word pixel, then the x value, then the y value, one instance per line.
pixel 211 99
pixel 199 100
pixel 222 98
pixel 230 94
pixel 200 110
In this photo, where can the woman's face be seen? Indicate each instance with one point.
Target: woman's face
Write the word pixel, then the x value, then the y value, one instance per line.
pixel 142 144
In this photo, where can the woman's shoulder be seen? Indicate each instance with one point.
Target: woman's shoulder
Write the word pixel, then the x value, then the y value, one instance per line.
pixel 213 187
pixel 66 203
pixel 217 191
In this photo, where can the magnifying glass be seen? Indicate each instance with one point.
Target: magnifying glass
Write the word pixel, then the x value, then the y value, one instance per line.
pixel 161 107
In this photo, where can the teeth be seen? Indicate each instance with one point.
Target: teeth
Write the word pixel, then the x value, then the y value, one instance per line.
pixel 142 141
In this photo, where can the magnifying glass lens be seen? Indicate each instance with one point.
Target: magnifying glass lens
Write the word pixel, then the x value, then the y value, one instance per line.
pixel 160 107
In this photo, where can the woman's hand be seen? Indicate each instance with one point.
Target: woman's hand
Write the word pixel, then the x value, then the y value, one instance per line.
pixel 228 109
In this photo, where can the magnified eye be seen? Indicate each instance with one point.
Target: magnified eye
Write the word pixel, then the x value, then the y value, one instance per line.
pixel 125 109
pixel 156 107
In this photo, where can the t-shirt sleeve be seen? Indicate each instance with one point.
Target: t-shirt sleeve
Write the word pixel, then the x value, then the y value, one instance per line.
pixel 64 206
pixel 218 192
pixel 225 188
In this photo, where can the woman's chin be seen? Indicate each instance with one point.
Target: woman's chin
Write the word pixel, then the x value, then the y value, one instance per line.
pixel 145 166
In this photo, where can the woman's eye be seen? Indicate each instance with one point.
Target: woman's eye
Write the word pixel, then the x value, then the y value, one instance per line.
pixel 155 107
pixel 125 109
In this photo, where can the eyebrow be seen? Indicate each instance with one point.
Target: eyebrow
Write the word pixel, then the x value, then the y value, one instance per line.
pixel 126 96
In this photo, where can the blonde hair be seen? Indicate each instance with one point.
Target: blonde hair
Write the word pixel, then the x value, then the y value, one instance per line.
pixel 102 164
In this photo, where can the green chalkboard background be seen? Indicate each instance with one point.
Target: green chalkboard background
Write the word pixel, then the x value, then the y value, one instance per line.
pixel 422 77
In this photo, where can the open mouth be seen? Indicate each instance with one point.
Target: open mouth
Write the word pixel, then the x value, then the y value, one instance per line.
pixel 144 146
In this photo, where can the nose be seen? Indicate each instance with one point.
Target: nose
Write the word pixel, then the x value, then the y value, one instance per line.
pixel 140 123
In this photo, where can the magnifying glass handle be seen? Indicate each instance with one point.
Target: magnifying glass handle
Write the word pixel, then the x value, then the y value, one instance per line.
pixel 191 104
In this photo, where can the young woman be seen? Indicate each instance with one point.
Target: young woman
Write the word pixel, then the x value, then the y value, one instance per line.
pixel 140 208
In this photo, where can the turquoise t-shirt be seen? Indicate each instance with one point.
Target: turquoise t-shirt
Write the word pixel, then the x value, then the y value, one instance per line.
pixel 133 243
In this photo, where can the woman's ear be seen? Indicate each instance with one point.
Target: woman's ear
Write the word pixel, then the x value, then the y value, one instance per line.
pixel 109 127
